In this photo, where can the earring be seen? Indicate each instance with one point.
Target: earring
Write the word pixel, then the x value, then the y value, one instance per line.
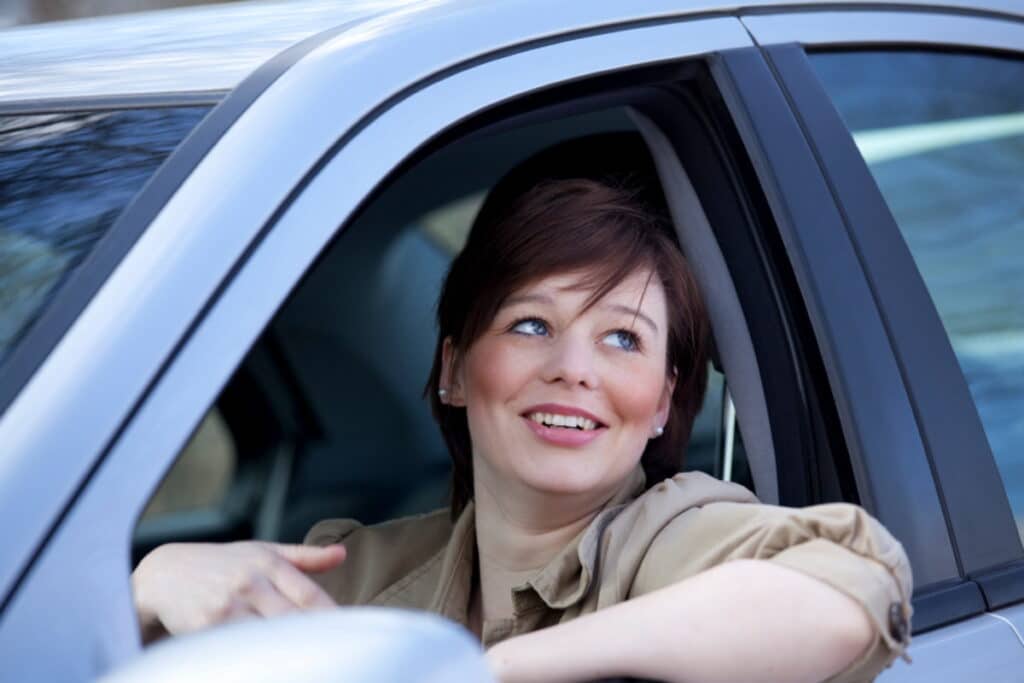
pixel 442 394
pixel 658 431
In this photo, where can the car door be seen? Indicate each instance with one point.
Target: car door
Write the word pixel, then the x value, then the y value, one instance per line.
pixel 929 189
pixel 176 316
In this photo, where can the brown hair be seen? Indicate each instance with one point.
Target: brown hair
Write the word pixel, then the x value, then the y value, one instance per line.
pixel 604 228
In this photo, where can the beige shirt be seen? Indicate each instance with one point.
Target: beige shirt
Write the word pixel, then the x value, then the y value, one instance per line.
pixel 640 542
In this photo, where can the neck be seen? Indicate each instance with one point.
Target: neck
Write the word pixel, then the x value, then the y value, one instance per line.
pixel 519 532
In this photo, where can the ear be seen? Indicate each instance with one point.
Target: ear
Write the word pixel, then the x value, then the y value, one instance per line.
pixel 665 402
pixel 451 374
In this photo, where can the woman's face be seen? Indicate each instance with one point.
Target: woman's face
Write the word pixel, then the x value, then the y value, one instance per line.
pixel 563 400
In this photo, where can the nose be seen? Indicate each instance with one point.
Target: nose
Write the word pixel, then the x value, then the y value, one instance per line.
pixel 572 361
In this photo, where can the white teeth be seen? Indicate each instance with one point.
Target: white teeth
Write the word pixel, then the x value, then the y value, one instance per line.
pixel 568 421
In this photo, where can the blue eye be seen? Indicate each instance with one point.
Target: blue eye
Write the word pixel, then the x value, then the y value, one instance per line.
pixel 623 339
pixel 531 326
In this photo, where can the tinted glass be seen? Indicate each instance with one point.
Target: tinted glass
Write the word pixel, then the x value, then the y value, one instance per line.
pixel 943 135
pixel 64 179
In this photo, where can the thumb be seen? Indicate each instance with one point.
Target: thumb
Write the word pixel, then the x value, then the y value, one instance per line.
pixel 310 558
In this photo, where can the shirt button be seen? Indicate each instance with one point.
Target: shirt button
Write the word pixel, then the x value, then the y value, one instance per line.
pixel 898 626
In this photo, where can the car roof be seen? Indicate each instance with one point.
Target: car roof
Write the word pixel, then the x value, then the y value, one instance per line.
pixel 213 47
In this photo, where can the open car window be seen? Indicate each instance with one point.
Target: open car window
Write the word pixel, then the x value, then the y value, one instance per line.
pixel 326 416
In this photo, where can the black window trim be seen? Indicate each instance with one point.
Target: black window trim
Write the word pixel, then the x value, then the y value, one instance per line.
pixel 807 212
pixel 974 499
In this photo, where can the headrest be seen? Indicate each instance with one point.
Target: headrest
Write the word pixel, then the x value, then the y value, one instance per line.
pixel 618 159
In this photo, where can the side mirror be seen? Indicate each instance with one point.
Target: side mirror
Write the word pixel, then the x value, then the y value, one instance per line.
pixel 375 645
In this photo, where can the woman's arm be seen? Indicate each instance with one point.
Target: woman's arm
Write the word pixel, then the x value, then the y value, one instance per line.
pixel 746 620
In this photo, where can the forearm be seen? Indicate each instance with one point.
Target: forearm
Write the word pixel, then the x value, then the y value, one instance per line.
pixel 746 620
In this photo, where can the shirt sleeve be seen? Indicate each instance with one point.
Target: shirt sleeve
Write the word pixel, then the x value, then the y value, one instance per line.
pixel 839 544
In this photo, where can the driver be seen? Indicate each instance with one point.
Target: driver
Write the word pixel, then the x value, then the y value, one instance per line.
pixel 570 364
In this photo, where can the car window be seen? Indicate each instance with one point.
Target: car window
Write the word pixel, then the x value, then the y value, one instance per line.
pixel 64 179
pixel 326 415
pixel 943 135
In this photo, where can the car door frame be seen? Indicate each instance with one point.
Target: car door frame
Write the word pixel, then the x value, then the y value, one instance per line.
pixel 986 543
pixel 98 627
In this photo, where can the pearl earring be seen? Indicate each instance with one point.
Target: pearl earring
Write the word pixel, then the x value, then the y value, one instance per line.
pixel 658 431
pixel 442 394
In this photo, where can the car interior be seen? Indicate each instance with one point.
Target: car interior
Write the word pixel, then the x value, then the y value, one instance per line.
pixel 326 416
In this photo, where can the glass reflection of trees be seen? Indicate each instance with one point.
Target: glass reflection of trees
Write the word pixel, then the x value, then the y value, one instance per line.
pixel 64 179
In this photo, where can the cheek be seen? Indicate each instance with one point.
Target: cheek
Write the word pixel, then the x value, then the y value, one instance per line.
pixel 493 374
pixel 636 393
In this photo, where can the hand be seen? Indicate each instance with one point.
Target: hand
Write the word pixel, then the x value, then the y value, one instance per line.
pixel 497 663
pixel 501 659
pixel 182 587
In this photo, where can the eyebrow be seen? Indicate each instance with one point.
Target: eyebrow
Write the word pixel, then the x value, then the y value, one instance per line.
pixel 619 308
pixel 527 298
pixel 629 310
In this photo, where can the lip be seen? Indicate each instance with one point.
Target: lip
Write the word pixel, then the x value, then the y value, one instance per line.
pixel 560 436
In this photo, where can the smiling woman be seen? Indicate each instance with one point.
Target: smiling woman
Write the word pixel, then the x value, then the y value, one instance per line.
pixel 571 276
pixel 570 363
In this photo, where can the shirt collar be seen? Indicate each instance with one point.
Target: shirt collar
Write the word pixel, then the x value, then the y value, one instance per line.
pixel 567 578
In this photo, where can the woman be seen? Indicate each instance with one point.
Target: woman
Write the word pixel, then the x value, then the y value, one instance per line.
pixel 570 365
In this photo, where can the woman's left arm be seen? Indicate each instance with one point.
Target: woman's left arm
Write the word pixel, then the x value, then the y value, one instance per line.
pixel 745 620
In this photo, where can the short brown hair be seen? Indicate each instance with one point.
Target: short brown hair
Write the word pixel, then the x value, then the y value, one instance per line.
pixel 604 229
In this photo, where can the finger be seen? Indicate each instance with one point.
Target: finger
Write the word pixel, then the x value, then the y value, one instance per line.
pixel 236 610
pixel 301 590
pixel 264 599
pixel 310 558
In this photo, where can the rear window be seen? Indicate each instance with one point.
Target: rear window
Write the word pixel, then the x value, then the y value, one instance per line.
pixel 64 179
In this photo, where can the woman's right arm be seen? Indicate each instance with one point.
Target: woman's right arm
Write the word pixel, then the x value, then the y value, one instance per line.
pixel 183 587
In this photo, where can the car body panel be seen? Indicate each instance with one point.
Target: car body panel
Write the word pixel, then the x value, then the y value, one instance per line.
pixel 1014 615
pixel 983 648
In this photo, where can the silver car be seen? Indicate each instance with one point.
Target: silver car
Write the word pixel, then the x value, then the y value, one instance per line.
pixel 222 231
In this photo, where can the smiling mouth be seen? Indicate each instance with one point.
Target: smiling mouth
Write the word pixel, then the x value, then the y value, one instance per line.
pixel 575 422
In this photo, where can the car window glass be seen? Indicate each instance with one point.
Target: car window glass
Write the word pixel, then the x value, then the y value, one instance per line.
pixel 943 135
pixel 64 179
